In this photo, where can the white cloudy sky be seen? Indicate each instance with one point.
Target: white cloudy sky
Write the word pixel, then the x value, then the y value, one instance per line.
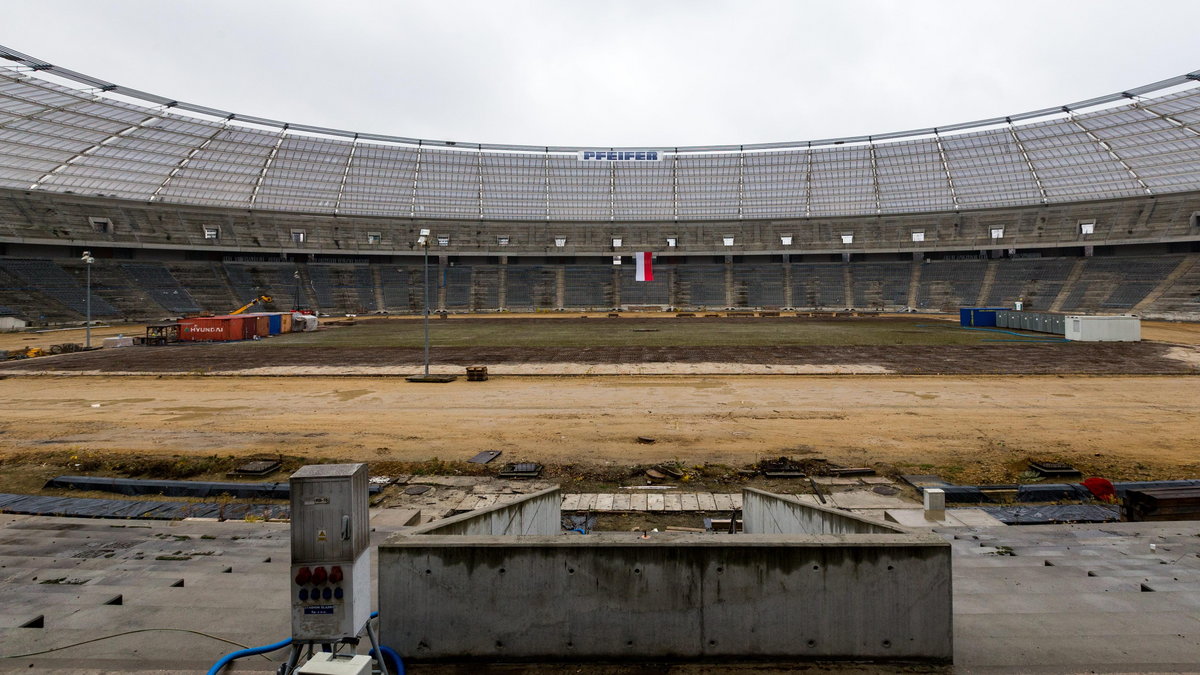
pixel 619 72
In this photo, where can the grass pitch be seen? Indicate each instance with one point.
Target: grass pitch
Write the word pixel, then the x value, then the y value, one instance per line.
pixel 646 332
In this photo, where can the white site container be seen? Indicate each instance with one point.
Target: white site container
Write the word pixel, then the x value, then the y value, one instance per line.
pixel 1104 328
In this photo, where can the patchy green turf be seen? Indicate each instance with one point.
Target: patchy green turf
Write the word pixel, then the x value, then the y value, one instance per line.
pixel 633 332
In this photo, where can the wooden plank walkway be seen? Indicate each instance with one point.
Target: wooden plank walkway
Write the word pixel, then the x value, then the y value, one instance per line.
pixel 666 500
pixel 622 502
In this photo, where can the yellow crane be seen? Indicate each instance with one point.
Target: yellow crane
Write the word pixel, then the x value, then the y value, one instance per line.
pixel 262 298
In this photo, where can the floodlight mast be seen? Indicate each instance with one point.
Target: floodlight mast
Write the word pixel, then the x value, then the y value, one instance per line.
pixel 87 326
pixel 423 241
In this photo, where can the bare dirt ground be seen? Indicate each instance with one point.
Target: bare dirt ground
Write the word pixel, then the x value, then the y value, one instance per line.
pixel 1125 411
pixel 968 428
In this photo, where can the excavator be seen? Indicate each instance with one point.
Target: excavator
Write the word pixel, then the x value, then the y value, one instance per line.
pixel 264 299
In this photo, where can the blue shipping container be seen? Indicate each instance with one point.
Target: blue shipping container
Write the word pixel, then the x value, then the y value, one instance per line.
pixel 277 323
pixel 978 316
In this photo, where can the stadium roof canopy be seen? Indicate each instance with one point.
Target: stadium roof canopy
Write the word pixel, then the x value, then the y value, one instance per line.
pixel 63 131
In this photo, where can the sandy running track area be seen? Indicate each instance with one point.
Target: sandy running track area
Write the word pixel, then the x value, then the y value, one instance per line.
pixel 972 428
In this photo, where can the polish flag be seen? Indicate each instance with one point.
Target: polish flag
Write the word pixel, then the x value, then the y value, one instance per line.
pixel 645 271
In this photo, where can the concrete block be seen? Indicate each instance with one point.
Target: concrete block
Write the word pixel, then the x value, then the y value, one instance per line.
pixel 935 504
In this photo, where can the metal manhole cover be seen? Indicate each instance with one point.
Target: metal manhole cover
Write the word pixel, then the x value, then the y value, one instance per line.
pixel 417 489
pixel 886 490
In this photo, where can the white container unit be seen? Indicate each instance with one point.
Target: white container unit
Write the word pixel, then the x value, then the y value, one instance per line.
pixel 1104 328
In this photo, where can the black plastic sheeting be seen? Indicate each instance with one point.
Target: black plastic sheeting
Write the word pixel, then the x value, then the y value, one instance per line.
pixel 1061 513
pixel 1045 492
pixel 178 488
pixel 38 505
pixel 1148 485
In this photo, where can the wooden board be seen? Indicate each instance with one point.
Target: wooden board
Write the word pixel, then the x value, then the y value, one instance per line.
pixel 587 502
pixel 707 501
pixel 570 502
pixel 689 502
pixel 723 502
pixel 672 502
pixel 621 502
pixel 655 502
pixel 637 502
pixel 604 502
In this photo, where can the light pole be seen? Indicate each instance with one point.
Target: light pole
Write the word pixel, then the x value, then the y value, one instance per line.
pixel 423 240
pixel 87 327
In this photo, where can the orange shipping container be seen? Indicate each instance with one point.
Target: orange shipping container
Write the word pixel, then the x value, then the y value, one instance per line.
pixel 210 329
pixel 262 325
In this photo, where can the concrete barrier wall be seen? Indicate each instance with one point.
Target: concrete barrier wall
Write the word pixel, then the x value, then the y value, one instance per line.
pixel 766 513
pixel 538 513
pixel 674 597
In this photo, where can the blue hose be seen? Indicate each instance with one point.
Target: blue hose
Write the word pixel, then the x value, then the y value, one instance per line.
pixel 253 651
pixel 395 665
pixel 388 653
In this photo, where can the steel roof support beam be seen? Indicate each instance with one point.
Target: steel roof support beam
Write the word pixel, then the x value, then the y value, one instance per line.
pixel 184 162
pixel 875 180
pixel 546 182
pixel 741 180
pixel 412 210
pixel 1108 149
pixel 262 174
pixel 337 205
pixel 1028 162
pixel 479 175
pixel 937 138
pixel 808 182
pixel 1148 108
pixel 91 150
pixel 46 110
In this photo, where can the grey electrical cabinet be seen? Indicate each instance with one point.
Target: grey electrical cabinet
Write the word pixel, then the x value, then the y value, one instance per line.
pixel 331 571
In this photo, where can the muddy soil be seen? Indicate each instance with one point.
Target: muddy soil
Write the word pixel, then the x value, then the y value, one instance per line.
pixel 1140 358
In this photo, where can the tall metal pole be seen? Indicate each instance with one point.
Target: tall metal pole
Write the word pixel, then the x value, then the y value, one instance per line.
pixel 87 340
pixel 426 309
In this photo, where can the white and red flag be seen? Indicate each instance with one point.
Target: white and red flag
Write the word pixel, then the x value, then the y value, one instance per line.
pixel 645 269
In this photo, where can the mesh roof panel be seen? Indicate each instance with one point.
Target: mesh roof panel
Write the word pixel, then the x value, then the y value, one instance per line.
pixel 57 137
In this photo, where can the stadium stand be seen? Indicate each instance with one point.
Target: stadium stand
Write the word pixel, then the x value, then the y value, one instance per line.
pixel 648 293
pixel 819 286
pixel 881 285
pixel 1035 281
pixel 701 286
pixel 49 279
pixel 165 289
pixel 948 285
pixel 192 210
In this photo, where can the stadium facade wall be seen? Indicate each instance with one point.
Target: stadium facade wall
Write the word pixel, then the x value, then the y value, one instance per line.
pixel 159 230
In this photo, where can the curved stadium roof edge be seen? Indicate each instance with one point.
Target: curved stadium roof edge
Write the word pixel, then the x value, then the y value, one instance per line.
pixel 66 132
pixel 109 87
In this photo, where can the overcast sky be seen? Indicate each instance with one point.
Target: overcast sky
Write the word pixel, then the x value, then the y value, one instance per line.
pixel 625 72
